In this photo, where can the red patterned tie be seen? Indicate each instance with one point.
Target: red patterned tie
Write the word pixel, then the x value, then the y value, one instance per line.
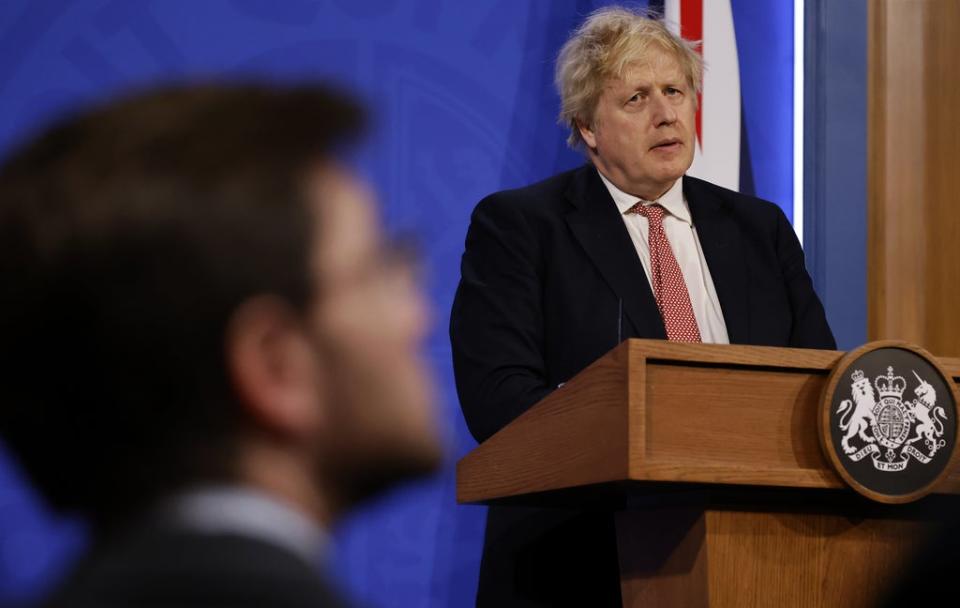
pixel 671 293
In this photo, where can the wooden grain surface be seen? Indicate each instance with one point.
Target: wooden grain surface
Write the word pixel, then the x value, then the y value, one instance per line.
pixel 755 559
pixel 913 279
pixel 576 436
pixel 656 411
pixel 660 415
pixel 802 560
pixel 733 425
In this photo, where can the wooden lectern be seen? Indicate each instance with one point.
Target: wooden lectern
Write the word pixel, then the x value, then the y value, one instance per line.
pixel 711 459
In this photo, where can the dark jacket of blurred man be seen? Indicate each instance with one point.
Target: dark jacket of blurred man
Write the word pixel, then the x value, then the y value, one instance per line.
pixel 555 274
pixel 207 346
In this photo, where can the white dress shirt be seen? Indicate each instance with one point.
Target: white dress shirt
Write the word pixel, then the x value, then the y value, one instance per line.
pixel 680 231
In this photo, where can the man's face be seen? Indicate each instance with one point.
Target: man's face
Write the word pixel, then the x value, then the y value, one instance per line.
pixel 369 319
pixel 642 136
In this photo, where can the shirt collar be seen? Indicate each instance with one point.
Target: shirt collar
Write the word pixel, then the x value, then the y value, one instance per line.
pixel 672 200
pixel 248 512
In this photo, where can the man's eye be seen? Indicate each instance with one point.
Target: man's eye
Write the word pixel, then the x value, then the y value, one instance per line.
pixel 634 99
pixel 671 91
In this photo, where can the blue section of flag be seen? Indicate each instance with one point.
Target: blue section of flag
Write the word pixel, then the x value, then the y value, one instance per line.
pixel 764 32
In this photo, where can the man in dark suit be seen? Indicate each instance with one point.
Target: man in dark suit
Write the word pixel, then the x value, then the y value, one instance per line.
pixel 556 274
pixel 208 348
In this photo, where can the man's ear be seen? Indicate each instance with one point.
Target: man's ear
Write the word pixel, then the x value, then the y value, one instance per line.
pixel 586 132
pixel 273 367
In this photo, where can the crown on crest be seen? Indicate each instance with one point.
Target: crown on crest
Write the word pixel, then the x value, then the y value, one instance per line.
pixel 857 375
pixel 890 385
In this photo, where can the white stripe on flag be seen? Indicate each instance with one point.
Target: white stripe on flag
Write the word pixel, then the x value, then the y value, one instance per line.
pixel 717 159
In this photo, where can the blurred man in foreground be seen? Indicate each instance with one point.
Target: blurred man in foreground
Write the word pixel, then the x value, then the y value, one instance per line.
pixel 208 349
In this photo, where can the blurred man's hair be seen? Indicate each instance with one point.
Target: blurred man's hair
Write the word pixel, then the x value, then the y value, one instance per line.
pixel 128 235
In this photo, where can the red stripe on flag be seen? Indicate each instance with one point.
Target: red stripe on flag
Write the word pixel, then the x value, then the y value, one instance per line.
pixel 691 28
pixel 691 19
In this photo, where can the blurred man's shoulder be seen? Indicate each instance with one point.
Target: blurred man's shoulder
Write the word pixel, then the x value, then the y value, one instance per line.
pixel 176 567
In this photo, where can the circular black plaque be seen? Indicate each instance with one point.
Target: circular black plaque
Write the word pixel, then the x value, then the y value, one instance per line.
pixel 889 421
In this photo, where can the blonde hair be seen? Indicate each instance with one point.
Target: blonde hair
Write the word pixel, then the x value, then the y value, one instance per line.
pixel 609 40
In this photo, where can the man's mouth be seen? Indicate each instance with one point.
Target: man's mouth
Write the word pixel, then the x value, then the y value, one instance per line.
pixel 667 145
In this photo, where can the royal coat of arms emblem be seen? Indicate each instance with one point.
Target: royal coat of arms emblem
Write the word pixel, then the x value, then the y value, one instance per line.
pixel 889 421
pixel 879 417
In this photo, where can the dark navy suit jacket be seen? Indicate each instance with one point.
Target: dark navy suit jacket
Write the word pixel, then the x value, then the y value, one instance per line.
pixel 157 565
pixel 550 281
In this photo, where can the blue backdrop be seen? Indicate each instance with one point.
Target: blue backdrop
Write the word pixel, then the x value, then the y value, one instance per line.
pixel 464 104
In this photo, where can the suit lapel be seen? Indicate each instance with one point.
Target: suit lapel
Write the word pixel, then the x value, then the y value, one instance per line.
pixel 597 225
pixel 720 239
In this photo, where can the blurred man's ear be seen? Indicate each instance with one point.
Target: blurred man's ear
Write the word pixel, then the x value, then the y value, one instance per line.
pixel 273 368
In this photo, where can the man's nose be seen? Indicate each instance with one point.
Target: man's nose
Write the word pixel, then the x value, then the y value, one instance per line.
pixel 663 111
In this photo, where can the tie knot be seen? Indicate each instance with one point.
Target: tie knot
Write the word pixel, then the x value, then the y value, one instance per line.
pixel 653 213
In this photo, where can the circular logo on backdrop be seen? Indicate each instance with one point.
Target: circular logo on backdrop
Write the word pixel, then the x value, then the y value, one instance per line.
pixel 889 421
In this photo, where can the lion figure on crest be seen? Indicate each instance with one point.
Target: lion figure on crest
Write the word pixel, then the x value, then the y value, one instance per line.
pixel 929 418
pixel 855 423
